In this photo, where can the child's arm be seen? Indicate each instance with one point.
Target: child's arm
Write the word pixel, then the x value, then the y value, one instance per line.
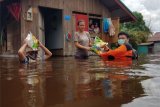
pixel 21 52
pixel 48 54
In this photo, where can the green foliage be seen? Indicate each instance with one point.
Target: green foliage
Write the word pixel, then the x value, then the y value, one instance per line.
pixel 138 30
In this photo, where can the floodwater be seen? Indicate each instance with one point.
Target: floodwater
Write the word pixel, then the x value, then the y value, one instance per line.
pixel 67 82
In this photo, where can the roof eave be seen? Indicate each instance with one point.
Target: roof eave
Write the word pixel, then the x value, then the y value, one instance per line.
pixel 123 6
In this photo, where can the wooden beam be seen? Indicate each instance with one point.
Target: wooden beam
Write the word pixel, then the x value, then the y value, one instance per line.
pixel 114 8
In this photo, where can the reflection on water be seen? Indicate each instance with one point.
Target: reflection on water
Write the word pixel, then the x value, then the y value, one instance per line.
pixel 67 82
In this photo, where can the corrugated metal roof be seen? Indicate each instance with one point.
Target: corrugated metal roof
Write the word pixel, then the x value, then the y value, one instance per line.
pixel 155 37
pixel 149 43
pixel 118 9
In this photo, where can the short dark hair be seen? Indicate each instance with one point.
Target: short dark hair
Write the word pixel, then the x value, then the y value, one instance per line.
pixel 79 21
pixel 123 33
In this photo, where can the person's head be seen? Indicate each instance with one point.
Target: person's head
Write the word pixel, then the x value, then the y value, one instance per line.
pixel 32 54
pixel 96 25
pixel 90 22
pixel 81 25
pixel 92 26
pixel 123 38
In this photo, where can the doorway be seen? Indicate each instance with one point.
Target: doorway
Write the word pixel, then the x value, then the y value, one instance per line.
pixel 53 29
pixel 10 27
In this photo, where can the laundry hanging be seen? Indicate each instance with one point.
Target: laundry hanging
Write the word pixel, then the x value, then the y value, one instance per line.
pixel 108 26
pixel 15 10
pixel 111 29
pixel 105 25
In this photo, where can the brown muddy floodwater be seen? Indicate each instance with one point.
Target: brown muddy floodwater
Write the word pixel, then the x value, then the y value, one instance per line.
pixel 67 82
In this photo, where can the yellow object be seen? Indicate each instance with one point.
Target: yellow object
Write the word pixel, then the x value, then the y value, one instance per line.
pixel 32 41
pixel 98 44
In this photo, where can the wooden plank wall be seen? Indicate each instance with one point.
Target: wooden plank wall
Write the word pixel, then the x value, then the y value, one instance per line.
pixel 116 22
pixel 85 6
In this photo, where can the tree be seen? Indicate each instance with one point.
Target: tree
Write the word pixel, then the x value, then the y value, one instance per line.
pixel 137 30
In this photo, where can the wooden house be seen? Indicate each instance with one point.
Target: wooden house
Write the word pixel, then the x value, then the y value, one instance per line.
pixel 54 21
pixel 156 40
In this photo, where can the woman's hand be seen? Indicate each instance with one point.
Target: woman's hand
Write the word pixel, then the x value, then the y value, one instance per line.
pixel 88 48
pixel 82 47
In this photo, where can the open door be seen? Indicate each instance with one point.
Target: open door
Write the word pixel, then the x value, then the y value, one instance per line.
pixel 52 29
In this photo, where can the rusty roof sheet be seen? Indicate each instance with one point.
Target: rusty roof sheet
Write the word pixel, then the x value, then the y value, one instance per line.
pixel 155 37
pixel 148 43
